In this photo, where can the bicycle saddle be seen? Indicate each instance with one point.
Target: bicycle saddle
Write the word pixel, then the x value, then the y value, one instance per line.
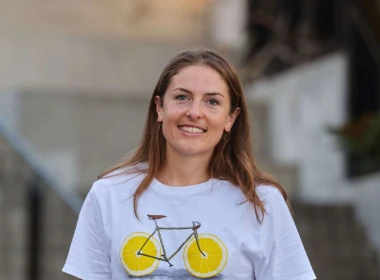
pixel 156 217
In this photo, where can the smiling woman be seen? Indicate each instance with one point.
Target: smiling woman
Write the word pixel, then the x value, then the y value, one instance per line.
pixel 194 165
pixel 194 112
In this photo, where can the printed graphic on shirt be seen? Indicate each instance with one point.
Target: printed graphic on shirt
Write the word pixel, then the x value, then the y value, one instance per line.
pixel 134 247
pixel 178 274
pixel 204 255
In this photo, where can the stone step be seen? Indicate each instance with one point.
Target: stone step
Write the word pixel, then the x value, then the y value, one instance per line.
pixel 336 243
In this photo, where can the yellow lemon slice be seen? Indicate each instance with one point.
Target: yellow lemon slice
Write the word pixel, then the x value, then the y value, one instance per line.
pixel 214 260
pixel 138 265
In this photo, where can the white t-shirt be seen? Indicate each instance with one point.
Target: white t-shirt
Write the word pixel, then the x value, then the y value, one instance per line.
pixel 234 244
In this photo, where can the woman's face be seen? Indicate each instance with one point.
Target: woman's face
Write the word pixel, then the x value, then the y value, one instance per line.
pixel 195 111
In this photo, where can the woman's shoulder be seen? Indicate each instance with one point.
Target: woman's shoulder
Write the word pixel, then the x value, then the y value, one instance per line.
pixel 120 180
pixel 274 202
pixel 264 192
pixel 268 192
pixel 121 175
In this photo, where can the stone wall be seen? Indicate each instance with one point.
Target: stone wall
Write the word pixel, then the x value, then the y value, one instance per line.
pixel 78 136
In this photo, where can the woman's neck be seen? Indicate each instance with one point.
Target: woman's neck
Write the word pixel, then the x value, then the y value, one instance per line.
pixel 183 171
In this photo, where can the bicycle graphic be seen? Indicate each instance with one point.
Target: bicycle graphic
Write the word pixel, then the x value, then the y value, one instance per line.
pixel 204 255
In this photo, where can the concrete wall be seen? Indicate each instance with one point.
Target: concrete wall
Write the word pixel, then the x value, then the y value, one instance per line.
pixel 70 65
pixel 10 108
pixel 77 137
pixel 302 103
pixel 228 24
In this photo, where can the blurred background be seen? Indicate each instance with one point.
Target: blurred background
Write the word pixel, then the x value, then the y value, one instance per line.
pixel 75 81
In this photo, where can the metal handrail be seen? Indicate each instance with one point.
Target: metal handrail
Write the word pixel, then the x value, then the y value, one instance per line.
pixel 72 200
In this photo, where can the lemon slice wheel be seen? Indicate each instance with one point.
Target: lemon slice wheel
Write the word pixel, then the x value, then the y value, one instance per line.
pixel 214 260
pixel 137 265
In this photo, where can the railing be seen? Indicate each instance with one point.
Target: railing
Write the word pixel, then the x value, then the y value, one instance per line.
pixel 38 214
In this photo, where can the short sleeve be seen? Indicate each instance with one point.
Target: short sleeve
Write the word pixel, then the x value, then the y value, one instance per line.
pixel 284 254
pixel 88 258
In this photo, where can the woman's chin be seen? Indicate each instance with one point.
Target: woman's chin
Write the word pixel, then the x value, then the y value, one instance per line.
pixel 191 152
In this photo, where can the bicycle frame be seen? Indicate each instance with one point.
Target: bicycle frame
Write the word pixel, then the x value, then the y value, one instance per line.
pixel 164 256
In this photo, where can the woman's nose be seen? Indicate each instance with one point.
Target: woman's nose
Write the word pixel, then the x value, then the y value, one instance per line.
pixel 195 111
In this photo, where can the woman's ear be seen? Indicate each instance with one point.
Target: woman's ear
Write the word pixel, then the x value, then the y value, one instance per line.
pixel 231 119
pixel 158 102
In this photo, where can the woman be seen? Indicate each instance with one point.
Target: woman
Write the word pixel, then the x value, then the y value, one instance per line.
pixel 190 202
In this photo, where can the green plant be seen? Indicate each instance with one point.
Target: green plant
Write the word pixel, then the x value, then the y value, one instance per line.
pixel 361 137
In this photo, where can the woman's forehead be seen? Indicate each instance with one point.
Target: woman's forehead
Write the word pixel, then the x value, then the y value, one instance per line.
pixel 198 78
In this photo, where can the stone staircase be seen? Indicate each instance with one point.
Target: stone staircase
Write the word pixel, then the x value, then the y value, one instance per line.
pixel 57 222
pixel 336 243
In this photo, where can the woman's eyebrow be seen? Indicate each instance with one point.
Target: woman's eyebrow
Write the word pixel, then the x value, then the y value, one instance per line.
pixel 214 93
pixel 182 89
pixel 189 91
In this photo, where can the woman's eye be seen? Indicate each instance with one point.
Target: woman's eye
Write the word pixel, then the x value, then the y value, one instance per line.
pixel 181 97
pixel 213 102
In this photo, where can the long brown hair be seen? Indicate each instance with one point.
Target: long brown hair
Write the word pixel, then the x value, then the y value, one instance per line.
pixel 232 157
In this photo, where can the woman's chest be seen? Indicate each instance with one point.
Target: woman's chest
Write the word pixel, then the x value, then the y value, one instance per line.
pixel 173 242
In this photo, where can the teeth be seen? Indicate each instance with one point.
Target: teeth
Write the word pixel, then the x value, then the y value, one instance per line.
pixel 192 129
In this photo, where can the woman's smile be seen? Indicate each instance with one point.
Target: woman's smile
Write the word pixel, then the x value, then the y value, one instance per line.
pixel 192 130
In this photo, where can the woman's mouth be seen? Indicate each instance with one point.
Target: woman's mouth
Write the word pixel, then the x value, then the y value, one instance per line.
pixel 192 129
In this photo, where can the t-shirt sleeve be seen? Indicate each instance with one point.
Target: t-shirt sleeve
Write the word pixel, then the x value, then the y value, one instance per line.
pixel 285 257
pixel 88 258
